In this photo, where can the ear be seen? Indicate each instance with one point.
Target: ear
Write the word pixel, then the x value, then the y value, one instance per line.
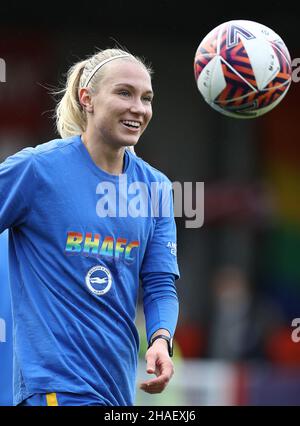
pixel 85 99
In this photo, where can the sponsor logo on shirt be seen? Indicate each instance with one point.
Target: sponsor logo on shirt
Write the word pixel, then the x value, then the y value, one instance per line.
pixel 172 247
pixel 98 280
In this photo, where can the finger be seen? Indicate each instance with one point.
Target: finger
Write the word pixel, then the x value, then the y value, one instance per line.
pixel 153 391
pixel 167 369
pixel 153 388
pixel 151 364
pixel 157 381
pixel 163 377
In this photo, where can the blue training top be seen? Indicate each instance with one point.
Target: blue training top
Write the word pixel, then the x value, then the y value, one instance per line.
pixel 6 363
pixel 80 239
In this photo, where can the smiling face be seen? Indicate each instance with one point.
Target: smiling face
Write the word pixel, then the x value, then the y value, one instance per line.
pixel 120 110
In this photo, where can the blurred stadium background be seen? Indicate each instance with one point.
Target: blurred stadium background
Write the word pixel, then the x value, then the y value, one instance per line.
pixel 240 272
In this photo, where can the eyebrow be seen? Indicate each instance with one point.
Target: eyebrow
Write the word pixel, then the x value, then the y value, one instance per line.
pixel 132 87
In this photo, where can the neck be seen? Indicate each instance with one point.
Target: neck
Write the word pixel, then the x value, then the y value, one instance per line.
pixel 108 158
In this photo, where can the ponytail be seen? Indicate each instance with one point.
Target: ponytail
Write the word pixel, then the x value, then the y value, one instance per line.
pixel 70 116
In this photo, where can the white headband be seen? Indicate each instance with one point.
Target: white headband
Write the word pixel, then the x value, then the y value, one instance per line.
pixel 98 66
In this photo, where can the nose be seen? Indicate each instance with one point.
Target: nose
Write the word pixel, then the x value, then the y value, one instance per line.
pixel 138 107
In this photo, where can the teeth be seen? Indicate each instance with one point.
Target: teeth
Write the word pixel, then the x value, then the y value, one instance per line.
pixel 132 123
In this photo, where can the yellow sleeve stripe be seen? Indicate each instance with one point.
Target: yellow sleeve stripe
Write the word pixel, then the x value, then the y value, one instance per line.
pixel 51 399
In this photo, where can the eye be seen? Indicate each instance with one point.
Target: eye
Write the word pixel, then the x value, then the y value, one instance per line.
pixel 148 99
pixel 125 93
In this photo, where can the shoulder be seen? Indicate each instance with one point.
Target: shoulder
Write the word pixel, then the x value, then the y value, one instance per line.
pixel 150 172
pixel 47 150
pixel 55 147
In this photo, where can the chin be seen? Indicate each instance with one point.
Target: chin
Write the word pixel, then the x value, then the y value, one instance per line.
pixel 129 143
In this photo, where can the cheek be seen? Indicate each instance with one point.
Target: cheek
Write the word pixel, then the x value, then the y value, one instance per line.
pixel 99 112
pixel 149 115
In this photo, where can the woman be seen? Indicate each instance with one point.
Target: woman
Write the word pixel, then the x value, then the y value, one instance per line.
pixel 79 243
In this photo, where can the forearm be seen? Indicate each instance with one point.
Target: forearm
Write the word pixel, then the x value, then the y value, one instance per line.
pixel 161 314
pixel 160 304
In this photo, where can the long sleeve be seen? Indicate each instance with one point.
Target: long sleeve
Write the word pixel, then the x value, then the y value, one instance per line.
pixel 160 302
pixel 17 180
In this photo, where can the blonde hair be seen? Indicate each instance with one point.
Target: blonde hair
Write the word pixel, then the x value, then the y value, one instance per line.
pixel 70 116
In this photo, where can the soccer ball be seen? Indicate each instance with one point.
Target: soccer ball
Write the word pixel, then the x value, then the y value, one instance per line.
pixel 242 69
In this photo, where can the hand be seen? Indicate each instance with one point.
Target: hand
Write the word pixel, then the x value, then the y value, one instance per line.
pixel 160 364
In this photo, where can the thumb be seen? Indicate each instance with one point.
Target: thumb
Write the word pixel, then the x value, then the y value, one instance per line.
pixel 150 359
